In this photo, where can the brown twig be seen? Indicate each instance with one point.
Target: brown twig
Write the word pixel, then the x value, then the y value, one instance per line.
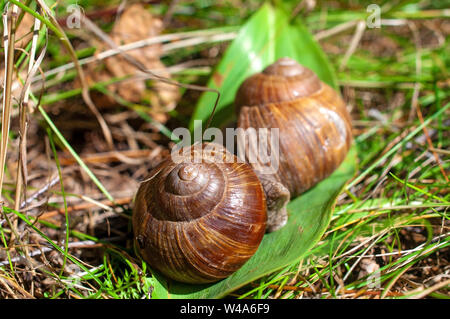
pixel 9 23
pixel 22 173
pixel 169 13
pixel 17 287
pixel 427 291
pixel 85 206
pixel 107 157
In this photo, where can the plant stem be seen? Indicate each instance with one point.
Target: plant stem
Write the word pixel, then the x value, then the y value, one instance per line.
pixel 9 20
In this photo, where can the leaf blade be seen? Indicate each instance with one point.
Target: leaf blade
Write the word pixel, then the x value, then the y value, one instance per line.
pixel 267 36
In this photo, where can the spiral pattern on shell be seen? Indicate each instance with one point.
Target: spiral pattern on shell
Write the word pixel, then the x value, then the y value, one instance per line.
pixel 199 222
pixel 314 125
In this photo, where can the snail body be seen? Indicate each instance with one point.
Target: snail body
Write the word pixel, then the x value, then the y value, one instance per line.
pixel 199 221
pixel 314 130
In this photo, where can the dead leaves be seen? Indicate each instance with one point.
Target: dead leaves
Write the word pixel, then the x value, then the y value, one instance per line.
pixel 134 24
pixel 24 31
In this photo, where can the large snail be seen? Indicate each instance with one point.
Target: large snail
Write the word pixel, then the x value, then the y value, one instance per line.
pixel 198 221
pixel 314 130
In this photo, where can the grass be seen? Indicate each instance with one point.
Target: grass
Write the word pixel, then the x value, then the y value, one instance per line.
pixel 389 235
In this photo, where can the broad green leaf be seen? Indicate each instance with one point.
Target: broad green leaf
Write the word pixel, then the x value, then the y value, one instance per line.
pixel 267 36
pixel 309 216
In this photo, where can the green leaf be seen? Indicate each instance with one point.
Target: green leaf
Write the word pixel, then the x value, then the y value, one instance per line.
pixel 267 36
pixel 309 216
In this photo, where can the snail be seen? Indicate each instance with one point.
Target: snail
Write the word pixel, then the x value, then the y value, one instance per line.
pixel 314 130
pixel 200 216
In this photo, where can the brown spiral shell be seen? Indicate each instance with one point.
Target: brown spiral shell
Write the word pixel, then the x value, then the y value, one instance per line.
pixel 314 125
pixel 199 222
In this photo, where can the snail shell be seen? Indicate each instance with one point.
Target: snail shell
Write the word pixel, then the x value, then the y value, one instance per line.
pixel 313 122
pixel 199 222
